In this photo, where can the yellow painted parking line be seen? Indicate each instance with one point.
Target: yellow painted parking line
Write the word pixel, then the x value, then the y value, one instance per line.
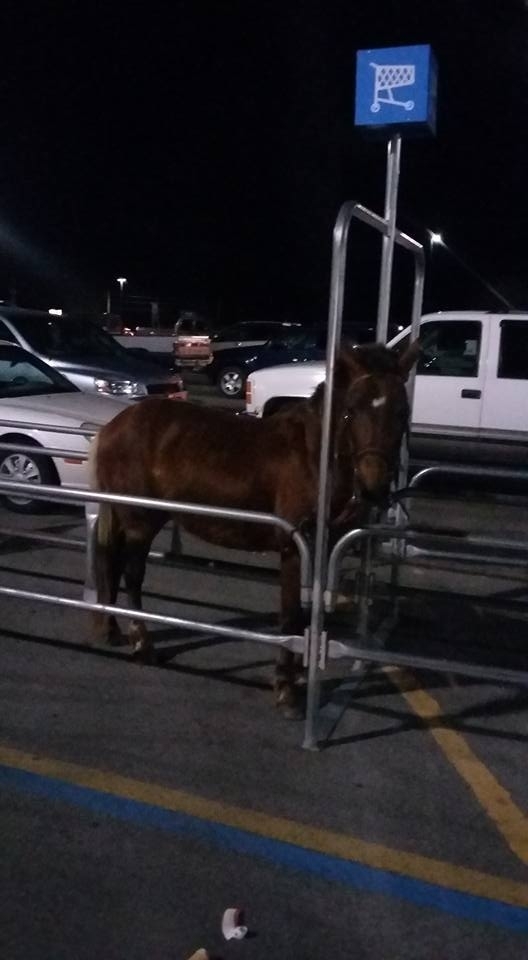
pixel 494 799
pixel 414 866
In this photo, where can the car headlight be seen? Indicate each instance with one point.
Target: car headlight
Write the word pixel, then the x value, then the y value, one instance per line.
pixel 122 388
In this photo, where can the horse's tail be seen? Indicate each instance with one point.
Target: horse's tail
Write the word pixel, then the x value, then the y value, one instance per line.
pixel 107 534
pixel 92 462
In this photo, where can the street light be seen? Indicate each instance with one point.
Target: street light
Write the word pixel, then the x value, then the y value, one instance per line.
pixel 435 238
pixel 121 281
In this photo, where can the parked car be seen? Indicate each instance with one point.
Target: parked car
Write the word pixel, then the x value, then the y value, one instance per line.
pixel 471 388
pixel 192 343
pixel 252 333
pixel 32 391
pixel 152 343
pixel 232 366
pixel 89 357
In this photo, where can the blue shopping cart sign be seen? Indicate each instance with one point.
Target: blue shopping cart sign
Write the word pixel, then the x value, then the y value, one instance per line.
pixel 396 87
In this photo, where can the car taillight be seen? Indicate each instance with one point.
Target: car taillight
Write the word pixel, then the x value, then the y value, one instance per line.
pixel 248 392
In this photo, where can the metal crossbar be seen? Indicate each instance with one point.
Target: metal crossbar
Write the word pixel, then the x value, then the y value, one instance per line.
pixel 64 495
pixel 332 648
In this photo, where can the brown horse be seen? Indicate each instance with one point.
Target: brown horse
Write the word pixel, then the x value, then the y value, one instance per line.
pixel 178 451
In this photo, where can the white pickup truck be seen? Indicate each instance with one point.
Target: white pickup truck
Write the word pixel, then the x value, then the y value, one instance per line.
pixel 471 390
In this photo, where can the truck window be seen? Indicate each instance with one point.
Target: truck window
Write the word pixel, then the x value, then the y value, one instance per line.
pixel 513 350
pixel 450 348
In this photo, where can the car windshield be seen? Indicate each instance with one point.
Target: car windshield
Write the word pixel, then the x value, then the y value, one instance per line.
pixel 60 337
pixel 22 375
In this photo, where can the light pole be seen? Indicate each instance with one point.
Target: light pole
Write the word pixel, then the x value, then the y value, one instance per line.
pixel 121 281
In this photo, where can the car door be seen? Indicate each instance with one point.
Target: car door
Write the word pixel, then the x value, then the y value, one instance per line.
pixel 504 423
pixel 448 391
pixel 296 348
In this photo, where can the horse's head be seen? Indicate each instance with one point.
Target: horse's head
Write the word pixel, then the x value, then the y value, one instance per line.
pixel 372 414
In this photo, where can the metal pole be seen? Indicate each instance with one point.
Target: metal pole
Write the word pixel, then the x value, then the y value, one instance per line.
pixel 337 284
pixel 387 250
pixel 403 472
pixel 90 582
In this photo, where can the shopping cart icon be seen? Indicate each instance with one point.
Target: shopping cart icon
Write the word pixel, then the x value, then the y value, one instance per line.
pixel 387 77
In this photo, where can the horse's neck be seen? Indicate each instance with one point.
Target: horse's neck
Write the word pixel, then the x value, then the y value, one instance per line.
pixel 314 430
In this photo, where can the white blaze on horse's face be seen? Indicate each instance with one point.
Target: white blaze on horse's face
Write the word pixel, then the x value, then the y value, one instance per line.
pixel 379 402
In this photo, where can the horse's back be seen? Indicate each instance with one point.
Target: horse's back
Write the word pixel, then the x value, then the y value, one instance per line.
pixel 164 448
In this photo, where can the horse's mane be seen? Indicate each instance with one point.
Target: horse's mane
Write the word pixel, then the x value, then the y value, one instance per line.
pixel 369 357
pixel 372 357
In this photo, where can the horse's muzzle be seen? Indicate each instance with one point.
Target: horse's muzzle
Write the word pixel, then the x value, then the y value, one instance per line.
pixel 372 478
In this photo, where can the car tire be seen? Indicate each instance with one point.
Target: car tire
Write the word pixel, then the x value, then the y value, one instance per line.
pixel 33 468
pixel 231 382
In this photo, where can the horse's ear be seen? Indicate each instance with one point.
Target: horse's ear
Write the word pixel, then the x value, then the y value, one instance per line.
pixel 408 358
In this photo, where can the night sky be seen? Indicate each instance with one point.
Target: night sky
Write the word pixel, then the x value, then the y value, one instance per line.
pixel 203 151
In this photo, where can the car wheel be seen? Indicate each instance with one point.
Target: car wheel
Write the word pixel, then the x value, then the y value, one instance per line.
pixel 231 382
pixel 28 468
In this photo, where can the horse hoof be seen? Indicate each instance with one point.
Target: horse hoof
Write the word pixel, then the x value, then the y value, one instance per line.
pixel 110 640
pixel 117 640
pixel 291 711
pixel 146 656
pixel 287 701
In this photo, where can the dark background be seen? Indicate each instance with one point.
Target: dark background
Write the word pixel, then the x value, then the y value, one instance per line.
pixel 203 152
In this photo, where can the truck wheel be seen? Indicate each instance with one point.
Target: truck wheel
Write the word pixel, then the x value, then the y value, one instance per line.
pixel 231 382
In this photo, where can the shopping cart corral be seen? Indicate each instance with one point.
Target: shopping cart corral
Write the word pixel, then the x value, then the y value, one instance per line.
pixel 382 619
pixel 382 601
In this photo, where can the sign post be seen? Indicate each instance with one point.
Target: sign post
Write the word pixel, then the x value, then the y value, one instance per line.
pixel 395 94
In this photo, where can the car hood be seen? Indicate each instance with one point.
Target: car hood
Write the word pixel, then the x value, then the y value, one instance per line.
pixel 62 409
pixel 294 371
pixel 108 370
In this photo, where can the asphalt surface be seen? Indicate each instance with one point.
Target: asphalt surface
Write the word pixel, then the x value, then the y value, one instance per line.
pixel 138 803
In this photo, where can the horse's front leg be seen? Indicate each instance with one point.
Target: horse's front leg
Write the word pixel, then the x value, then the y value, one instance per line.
pixel 288 665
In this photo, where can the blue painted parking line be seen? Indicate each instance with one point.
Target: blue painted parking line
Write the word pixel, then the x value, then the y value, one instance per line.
pixel 279 853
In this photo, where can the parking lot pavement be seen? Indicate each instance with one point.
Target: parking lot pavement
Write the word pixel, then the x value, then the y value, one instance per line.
pixel 203 392
pixel 80 879
pixel 139 803
pixel 124 789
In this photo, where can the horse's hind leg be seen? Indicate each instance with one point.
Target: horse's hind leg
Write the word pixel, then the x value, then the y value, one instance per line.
pixel 108 569
pixel 291 621
pixel 138 540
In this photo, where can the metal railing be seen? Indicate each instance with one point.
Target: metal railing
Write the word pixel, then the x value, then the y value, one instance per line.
pixel 369 644
pixel 296 643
